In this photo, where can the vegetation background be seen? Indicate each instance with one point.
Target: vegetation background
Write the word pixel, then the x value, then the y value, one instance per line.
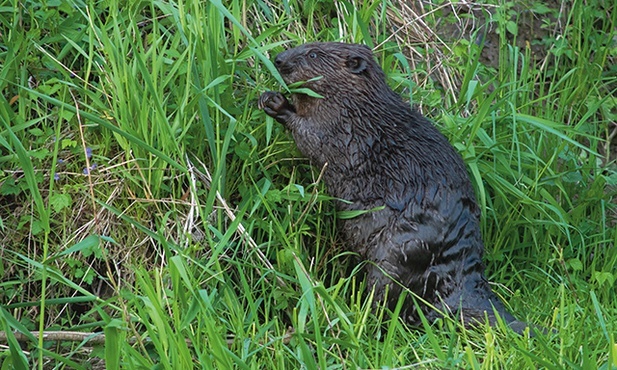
pixel 144 196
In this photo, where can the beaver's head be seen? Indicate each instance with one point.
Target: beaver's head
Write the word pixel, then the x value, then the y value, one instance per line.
pixel 331 68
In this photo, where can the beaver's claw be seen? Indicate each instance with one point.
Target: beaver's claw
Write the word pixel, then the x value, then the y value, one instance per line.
pixel 276 106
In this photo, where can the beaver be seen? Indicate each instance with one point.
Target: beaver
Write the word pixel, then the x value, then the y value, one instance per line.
pixel 422 233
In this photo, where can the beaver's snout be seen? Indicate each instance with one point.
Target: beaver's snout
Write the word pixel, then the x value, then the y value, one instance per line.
pixel 283 63
pixel 278 61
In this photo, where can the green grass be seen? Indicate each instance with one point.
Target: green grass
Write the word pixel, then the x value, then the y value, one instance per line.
pixel 200 237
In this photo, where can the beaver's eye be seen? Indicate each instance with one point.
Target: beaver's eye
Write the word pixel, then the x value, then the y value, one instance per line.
pixel 312 55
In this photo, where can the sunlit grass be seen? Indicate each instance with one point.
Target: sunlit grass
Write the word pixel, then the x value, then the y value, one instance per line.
pixel 143 194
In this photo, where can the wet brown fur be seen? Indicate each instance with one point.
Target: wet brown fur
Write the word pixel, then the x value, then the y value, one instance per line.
pixel 382 153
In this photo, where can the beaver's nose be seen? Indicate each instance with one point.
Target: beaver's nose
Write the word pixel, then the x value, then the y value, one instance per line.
pixel 284 59
pixel 279 60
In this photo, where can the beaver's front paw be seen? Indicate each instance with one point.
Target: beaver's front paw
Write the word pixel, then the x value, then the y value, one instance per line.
pixel 276 106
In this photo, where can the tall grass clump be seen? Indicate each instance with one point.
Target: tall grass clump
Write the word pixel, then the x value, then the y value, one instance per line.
pixel 152 216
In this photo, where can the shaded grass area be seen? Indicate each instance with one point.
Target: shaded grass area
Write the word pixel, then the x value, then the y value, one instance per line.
pixel 143 195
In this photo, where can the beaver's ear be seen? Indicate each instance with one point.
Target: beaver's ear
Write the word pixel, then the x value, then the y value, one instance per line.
pixel 356 64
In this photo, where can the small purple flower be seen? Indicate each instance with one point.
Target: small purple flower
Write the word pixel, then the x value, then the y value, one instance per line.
pixel 56 176
pixel 60 161
pixel 88 169
pixel 88 152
